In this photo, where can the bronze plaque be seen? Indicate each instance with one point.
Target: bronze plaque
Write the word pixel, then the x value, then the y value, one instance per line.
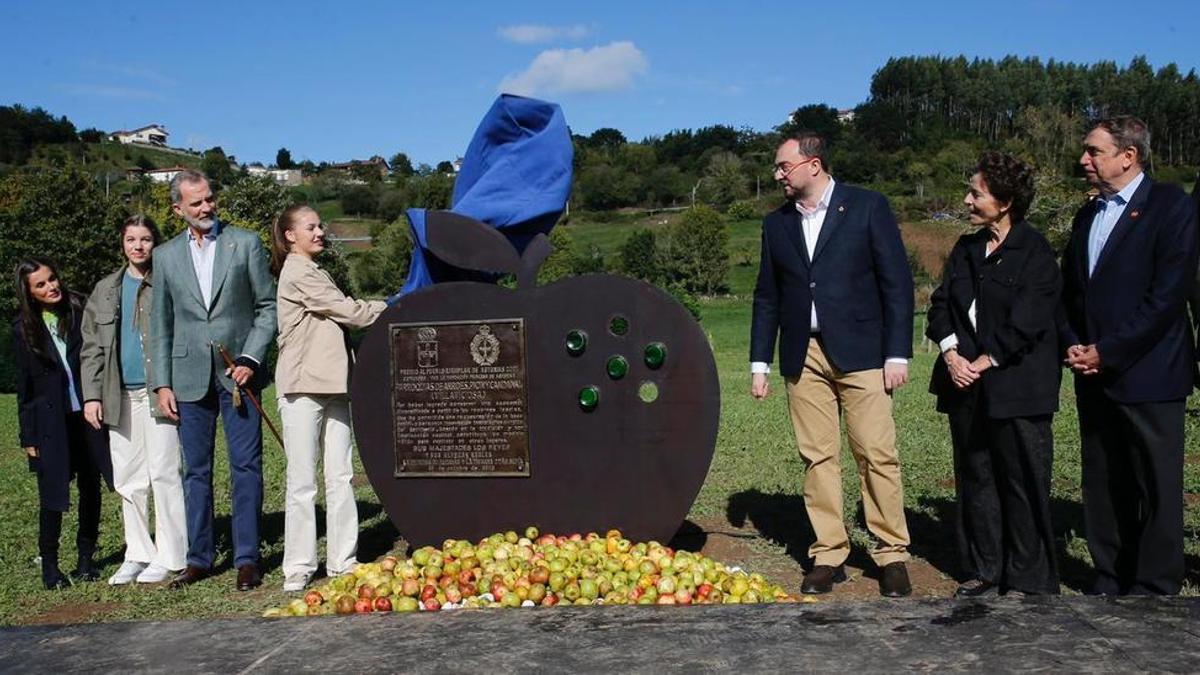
pixel 459 398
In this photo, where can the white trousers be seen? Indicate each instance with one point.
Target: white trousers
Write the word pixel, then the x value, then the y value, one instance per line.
pixel 145 459
pixel 314 425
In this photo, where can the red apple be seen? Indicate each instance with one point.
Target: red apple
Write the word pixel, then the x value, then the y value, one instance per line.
pixel 313 598
pixel 383 605
pixel 363 606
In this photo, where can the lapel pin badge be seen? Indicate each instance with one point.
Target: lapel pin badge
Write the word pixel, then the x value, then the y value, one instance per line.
pixel 841 208
pixel 1134 215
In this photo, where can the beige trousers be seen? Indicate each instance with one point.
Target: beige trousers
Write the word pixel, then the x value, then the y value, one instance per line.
pixel 145 459
pixel 318 427
pixel 815 399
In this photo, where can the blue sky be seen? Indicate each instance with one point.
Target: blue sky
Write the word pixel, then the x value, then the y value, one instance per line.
pixel 336 81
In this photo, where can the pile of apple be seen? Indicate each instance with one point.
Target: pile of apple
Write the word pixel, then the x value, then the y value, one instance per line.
pixel 507 570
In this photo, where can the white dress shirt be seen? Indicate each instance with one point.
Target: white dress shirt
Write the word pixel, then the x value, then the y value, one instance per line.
pixel 811 222
pixel 202 261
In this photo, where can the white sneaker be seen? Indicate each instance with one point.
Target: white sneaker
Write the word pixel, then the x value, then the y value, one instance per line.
pixel 127 573
pixel 153 574
pixel 296 582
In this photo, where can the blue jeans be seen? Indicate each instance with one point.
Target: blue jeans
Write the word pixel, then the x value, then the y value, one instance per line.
pixel 243 435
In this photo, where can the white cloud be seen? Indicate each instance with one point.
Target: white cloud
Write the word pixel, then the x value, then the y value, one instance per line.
pixel 608 68
pixel 533 33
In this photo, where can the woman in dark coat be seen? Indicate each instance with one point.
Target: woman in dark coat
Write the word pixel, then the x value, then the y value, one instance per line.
pixel 58 443
pixel 994 319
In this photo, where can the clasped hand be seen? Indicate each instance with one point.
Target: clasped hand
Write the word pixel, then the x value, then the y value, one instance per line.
pixel 1083 359
pixel 964 373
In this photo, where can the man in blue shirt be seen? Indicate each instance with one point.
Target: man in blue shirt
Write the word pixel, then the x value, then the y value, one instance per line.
pixel 1128 270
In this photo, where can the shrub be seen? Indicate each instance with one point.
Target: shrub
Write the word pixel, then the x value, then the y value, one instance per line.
pixel 689 301
pixel 639 257
pixel 696 252
pixel 383 269
pixel 253 202
pixel 589 261
pixel 359 200
pixel 560 263
pixel 391 205
pixel 743 209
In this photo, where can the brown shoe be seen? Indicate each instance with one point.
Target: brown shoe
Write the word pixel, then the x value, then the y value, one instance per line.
pixel 248 577
pixel 189 576
pixel 893 583
pixel 822 578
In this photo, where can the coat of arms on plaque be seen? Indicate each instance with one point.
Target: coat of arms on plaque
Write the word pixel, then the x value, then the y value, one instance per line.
pixel 427 348
pixel 485 348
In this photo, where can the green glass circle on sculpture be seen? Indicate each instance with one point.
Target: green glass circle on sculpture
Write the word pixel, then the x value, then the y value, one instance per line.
pixel 648 392
pixel 617 367
pixel 655 355
pixel 618 325
pixel 576 342
pixel 589 398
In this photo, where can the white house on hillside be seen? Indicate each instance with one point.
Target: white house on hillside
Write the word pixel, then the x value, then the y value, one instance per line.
pixel 156 175
pixel 155 134
pixel 286 177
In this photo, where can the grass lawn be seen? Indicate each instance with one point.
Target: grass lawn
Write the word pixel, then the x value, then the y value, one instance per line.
pixel 754 482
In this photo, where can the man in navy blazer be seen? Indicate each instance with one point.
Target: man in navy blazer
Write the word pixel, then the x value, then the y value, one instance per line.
pixel 1128 270
pixel 835 289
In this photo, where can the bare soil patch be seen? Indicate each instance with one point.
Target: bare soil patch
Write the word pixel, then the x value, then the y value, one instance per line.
pixel 73 612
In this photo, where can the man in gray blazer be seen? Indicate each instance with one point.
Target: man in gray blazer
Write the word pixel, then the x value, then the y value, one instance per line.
pixel 213 288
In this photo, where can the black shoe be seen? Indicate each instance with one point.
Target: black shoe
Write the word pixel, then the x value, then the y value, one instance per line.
pixel 86 570
pixel 975 588
pixel 893 583
pixel 53 578
pixel 189 576
pixel 822 578
pixel 248 577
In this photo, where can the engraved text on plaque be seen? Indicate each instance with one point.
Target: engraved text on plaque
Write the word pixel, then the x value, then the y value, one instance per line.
pixel 459 398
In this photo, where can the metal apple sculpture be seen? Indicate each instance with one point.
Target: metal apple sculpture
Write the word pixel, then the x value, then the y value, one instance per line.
pixel 586 404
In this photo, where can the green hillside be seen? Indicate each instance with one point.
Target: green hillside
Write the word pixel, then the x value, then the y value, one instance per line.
pixel 110 156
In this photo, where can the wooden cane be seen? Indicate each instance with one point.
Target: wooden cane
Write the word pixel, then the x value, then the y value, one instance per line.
pixel 249 394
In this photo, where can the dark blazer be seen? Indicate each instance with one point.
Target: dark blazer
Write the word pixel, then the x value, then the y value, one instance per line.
pixel 1133 306
pixel 1195 301
pixel 858 278
pixel 1016 293
pixel 42 409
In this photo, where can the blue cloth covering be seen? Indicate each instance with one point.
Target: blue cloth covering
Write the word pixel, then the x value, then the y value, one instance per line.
pixel 515 176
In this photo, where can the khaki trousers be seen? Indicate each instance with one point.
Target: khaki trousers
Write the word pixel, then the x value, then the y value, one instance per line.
pixel 815 399
pixel 318 427
pixel 145 458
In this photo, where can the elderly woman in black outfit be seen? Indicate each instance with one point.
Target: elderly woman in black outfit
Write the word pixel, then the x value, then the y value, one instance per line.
pixel 58 443
pixel 994 319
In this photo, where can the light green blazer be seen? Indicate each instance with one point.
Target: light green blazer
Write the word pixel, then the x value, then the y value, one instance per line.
pixel 242 317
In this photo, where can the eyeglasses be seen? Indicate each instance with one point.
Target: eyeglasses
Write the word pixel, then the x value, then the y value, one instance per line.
pixel 784 169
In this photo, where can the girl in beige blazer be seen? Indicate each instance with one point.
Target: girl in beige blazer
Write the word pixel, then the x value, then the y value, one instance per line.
pixel 311 380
